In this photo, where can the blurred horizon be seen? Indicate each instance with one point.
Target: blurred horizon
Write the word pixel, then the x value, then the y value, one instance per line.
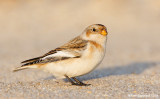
pixel 42 25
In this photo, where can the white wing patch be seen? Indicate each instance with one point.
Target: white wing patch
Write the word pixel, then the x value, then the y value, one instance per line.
pixel 60 54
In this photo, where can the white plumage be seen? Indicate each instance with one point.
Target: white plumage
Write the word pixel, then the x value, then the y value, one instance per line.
pixel 76 67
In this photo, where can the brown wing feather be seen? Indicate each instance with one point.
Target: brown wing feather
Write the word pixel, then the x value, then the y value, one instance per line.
pixel 74 45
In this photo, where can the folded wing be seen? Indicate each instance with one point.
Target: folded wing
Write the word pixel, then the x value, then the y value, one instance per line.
pixel 72 49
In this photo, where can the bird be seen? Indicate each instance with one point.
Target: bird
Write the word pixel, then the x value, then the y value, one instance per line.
pixel 77 57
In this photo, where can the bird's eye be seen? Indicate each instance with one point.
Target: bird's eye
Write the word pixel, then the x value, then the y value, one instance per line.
pixel 93 29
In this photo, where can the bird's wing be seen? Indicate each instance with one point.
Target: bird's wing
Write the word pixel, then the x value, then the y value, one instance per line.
pixel 72 49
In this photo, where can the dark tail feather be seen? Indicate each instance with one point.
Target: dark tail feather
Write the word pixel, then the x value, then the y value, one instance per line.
pixel 31 60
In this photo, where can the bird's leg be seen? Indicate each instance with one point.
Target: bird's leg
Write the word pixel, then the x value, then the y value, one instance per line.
pixel 73 83
pixel 79 82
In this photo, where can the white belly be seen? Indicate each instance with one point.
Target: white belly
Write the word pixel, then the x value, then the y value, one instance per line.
pixel 76 66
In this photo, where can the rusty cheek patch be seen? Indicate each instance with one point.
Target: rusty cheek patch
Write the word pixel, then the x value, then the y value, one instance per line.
pixel 88 33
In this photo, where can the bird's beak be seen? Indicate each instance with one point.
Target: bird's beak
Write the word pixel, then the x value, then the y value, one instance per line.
pixel 104 32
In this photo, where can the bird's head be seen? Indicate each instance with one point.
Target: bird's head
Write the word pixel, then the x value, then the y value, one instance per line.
pixel 95 32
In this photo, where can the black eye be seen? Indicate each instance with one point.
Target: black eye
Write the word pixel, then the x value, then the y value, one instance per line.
pixel 93 29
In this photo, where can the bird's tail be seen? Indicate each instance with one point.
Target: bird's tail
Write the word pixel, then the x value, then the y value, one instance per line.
pixel 24 67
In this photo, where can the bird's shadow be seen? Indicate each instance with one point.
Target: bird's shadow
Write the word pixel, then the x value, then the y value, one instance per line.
pixel 133 68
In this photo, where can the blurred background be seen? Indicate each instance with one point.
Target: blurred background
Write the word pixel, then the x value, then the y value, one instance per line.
pixel 29 28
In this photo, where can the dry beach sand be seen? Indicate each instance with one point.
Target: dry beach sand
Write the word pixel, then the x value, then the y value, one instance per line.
pixel 130 69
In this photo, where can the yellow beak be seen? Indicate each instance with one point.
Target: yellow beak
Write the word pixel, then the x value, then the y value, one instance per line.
pixel 104 32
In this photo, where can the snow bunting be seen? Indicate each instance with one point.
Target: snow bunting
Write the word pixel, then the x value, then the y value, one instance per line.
pixel 75 58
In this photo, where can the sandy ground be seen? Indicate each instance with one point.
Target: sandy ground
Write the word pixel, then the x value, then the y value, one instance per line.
pixel 130 69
